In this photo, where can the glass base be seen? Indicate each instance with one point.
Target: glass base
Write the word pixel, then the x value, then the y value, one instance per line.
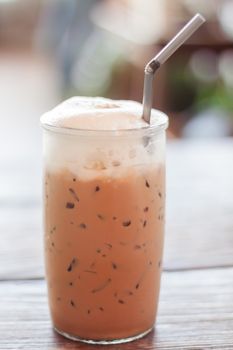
pixel 103 342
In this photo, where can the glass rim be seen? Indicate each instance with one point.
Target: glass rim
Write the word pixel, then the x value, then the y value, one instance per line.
pixel 161 124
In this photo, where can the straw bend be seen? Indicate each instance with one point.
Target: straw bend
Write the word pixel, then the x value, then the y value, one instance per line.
pixel 162 57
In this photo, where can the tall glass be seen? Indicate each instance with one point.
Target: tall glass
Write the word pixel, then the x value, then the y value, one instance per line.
pixel 104 204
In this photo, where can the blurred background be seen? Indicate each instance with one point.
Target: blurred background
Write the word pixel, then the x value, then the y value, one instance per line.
pixel 53 49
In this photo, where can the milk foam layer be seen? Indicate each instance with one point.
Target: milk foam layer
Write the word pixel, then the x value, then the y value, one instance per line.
pixel 89 155
pixel 97 113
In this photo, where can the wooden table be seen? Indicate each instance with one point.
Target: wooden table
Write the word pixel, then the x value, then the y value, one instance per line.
pixel 196 305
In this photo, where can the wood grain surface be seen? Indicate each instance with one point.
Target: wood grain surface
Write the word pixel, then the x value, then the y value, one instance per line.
pixel 196 305
pixel 196 312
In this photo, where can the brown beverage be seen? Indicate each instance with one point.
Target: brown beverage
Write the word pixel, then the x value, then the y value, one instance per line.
pixel 104 218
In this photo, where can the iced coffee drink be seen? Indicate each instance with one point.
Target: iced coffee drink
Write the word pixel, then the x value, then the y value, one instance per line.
pixel 104 196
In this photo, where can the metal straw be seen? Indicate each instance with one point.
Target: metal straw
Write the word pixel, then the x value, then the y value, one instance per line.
pixel 162 57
